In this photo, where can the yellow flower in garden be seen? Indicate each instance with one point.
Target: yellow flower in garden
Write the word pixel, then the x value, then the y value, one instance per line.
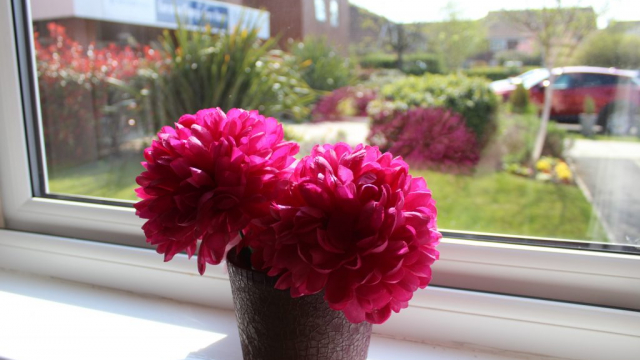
pixel 347 107
pixel 563 172
pixel 544 165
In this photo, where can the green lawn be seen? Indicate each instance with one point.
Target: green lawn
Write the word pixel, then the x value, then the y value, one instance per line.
pixel 508 204
pixel 494 203
pixel 115 178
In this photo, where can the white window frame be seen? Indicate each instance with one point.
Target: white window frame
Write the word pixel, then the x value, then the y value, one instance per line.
pixel 518 327
pixel 571 276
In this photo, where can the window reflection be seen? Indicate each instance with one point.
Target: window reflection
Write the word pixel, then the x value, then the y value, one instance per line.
pixel 459 96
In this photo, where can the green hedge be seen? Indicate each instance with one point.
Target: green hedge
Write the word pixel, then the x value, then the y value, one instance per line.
pixel 420 63
pixel 470 97
pixel 515 55
pixel 497 72
pixel 325 69
pixel 379 61
pixel 414 64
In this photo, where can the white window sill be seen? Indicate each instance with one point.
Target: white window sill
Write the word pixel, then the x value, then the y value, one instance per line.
pixel 44 318
pixel 442 323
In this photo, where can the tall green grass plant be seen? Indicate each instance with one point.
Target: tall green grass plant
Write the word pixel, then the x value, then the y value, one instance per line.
pixel 234 69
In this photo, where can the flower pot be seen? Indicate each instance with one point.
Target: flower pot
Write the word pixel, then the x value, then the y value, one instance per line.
pixel 272 325
pixel 587 122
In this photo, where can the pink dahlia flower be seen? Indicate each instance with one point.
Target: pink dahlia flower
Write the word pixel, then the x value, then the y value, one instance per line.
pixel 355 224
pixel 207 178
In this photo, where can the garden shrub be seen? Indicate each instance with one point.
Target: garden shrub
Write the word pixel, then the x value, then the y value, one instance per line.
pixel 84 115
pixel 345 101
pixel 516 55
pixel 519 100
pixel 434 138
pixel 414 64
pixel 589 106
pixel 231 70
pixel 382 111
pixel 518 134
pixel 324 68
pixel 554 142
pixel 421 63
pixel 494 73
pixel 470 97
pixel 379 61
pixel 377 78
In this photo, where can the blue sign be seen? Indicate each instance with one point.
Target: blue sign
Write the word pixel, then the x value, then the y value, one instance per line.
pixel 193 12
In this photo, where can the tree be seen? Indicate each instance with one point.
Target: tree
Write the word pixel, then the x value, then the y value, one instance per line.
pixel 366 30
pixel 609 48
pixel 456 39
pixel 400 40
pixel 557 31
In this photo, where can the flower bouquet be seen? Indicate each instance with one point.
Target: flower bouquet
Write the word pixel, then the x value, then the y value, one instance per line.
pixel 345 235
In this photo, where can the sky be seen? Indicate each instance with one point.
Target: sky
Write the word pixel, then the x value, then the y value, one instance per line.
pixel 408 11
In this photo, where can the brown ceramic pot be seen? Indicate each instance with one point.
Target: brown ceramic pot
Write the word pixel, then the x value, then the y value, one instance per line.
pixel 273 325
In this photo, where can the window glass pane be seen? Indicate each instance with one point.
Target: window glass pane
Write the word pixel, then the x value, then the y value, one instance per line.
pixel 333 8
pixel 321 10
pixel 563 81
pixel 457 88
pixel 599 80
pixel 533 77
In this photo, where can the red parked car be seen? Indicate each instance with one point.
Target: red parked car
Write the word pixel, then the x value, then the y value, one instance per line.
pixel 616 93
pixel 528 79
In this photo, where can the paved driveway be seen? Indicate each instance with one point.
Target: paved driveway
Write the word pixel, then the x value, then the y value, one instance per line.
pixel 610 176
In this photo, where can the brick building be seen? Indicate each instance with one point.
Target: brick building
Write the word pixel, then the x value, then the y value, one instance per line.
pixel 297 19
pixel 143 20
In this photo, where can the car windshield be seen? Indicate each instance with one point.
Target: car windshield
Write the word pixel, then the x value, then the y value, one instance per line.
pixel 532 77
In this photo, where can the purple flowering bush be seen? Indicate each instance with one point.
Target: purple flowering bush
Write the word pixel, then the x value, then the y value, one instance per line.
pixel 427 137
pixel 345 101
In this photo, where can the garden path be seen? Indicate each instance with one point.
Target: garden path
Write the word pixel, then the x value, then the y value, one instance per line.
pixel 609 175
pixel 310 134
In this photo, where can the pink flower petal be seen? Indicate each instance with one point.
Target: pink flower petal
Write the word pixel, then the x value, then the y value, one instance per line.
pixel 379 316
pixel 354 222
pixel 200 185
